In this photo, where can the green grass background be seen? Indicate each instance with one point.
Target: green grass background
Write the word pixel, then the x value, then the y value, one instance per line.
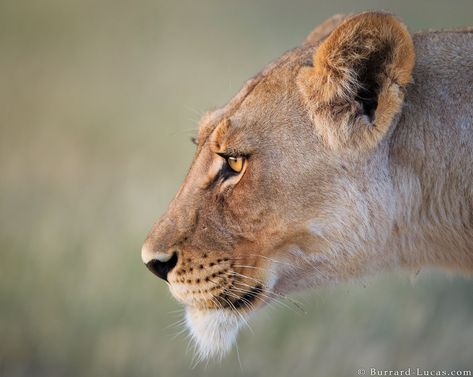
pixel 98 101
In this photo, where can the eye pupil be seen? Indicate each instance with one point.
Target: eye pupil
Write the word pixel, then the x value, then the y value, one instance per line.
pixel 235 163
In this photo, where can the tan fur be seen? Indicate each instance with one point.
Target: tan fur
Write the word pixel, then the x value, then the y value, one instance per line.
pixel 330 192
pixel 333 81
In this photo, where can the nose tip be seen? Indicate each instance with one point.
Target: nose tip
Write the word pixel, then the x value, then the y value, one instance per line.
pixel 161 267
pixel 158 263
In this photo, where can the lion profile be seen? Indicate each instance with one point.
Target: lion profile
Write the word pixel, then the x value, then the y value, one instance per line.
pixel 348 155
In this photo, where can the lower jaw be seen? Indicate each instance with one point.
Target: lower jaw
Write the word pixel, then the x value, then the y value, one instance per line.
pixel 213 331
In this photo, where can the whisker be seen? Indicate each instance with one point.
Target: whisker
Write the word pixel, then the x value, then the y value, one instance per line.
pixel 245 291
pixel 195 111
pixel 178 311
pixel 253 267
pixel 188 131
pixel 179 333
pixel 238 357
pixel 234 309
pixel 267 258
pixel 248 277
pixel 257 282
pixel 263 294
pixel 267 290
pixel 175 324
pixel 247 304
pixel 296 303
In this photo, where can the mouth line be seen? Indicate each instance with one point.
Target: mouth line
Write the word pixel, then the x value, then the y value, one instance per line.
pixel 244 301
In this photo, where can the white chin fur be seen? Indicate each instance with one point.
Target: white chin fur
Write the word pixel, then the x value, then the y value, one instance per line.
pixel 213 331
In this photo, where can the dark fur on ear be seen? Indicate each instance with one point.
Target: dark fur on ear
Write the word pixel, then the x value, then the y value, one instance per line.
pixel 358 75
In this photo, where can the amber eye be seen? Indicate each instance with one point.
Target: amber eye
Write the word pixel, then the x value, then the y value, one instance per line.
pixel 236 163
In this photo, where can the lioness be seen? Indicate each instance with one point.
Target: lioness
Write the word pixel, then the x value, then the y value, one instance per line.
pixel 346 156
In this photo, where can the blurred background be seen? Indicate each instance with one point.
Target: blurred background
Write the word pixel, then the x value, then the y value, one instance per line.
pixel 98 102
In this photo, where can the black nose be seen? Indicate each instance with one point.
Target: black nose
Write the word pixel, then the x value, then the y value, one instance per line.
pixel 162 269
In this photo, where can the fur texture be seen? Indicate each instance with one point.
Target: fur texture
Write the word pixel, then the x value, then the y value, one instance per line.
pixel 357 161
pixel 213 331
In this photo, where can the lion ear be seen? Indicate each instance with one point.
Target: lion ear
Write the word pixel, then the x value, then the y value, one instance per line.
pixel 354 87
pixel 323 30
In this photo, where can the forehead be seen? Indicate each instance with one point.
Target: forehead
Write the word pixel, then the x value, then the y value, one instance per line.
pixel 262 97
pixel 213 118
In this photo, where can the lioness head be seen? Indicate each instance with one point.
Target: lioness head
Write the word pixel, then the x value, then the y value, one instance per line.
pixel 288 187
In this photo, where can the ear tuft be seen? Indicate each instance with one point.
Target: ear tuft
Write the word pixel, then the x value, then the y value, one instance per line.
pixel 355 86
pixel 350 63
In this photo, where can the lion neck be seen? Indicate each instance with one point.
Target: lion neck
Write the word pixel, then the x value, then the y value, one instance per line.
pixel 431 156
